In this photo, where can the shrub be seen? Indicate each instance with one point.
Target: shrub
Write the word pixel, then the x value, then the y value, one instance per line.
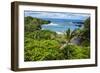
pixel 37 50
pixel 76 52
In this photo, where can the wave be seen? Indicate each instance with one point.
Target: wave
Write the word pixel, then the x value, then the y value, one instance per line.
pixel 52 24
pixel 60 32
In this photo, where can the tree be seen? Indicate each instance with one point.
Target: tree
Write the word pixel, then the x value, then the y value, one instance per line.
pixel 84 33
pixel 69 35
pixel 32 24
pixel 76 52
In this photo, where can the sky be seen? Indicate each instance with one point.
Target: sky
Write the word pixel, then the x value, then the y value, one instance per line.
pixel 57 15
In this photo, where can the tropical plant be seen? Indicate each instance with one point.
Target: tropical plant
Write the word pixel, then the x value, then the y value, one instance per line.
pixel 69 35
pixel 32 24
pixel 37 50
pixel 40 45
pixel 84 33
pixel 76 52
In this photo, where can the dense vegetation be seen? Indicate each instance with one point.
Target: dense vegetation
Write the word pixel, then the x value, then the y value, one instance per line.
pixel 48 45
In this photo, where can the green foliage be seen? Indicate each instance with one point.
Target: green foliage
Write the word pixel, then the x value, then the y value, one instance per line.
pixel 41 34
pixel 76 52
pixel 69 35
pixel 32 24
pixel 42 50
pixel 84 33
pixel 38 50
pixel 40 45
pixel 40 54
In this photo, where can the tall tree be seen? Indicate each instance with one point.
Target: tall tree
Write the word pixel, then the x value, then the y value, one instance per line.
pixel 69 35
pixel 84 33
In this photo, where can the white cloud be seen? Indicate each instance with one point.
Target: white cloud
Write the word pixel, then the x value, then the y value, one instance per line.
pixel 59 15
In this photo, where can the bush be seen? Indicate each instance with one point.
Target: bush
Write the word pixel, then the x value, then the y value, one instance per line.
pixel 76 52
pixel 41 34
pixel 37 50
pixel 40 45
pixel 32 24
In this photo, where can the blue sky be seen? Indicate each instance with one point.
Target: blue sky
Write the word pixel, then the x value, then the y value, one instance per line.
pixel 57 15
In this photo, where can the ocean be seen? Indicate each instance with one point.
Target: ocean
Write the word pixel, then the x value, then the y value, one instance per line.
pixel 61 25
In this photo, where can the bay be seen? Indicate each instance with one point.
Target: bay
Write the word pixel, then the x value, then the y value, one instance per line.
pixel 61 25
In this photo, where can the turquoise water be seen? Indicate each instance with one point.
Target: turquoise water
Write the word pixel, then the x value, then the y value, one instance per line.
pixel 60 26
